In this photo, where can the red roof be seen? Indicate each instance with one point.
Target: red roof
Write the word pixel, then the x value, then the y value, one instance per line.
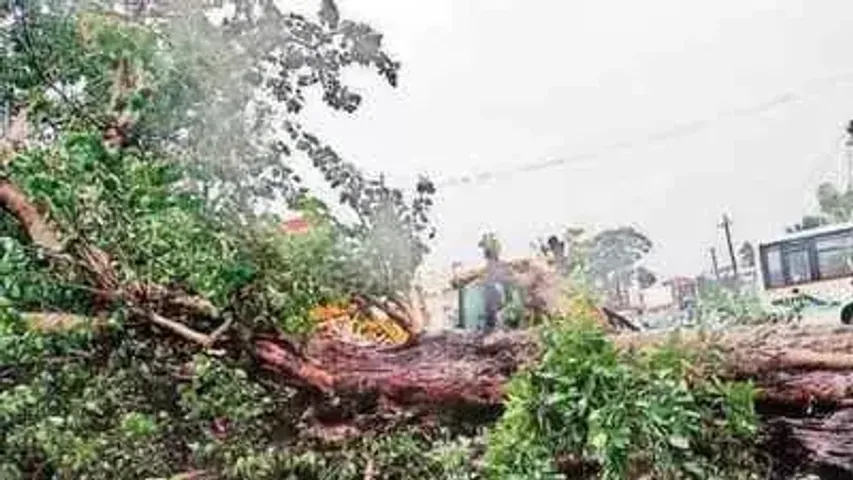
pixel 296 225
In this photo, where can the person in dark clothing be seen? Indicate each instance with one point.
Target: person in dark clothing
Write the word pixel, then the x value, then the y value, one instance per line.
pixel 493 300
pixel 497 273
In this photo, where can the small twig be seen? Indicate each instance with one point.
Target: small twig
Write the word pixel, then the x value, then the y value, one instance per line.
pixel 175 327
pixel 203 339
pixel 220 330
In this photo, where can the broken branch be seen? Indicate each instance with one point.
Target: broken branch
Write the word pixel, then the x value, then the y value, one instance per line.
pixel 16 203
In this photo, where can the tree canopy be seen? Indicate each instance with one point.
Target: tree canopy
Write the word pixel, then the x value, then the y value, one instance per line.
pixel 746 254
pixel 835 207
pixel 132 239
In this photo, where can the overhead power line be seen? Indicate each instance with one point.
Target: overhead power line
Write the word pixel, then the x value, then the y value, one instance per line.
pixel 684 129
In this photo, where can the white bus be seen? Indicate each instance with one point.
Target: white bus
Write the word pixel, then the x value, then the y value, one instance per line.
pixel 812 272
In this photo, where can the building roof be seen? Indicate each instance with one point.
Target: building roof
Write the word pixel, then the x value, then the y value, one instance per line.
pixel 296 225
pixel 679 281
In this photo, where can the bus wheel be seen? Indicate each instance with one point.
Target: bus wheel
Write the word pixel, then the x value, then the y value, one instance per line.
pixel 847 314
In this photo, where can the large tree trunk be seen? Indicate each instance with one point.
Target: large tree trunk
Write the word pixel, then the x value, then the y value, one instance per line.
pixel 805 380
pixel 805 377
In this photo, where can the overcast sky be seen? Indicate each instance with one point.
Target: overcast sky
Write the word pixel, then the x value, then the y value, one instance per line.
pixel 762 89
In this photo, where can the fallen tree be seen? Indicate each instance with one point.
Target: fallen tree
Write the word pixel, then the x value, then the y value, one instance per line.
pixel 96 243
pixel 804 377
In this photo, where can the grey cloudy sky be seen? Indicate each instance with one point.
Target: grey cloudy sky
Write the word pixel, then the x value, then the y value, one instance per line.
pixel 492 84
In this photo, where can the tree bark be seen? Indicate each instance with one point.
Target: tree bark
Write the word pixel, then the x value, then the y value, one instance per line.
pixel 144 298
pixel 18 205
pixel 450 369
pixel 804 378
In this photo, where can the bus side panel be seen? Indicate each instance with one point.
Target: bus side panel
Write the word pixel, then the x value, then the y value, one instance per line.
pixel 823 300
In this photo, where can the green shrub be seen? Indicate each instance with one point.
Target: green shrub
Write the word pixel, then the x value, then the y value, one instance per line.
pixel 622 414
pixel 721 306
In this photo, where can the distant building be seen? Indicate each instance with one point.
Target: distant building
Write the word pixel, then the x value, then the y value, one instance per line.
pixel 296 225
pixel 684 290
pixel 658 297
pixel 672 294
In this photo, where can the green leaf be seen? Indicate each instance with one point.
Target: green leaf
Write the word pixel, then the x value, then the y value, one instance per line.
pixel 679 442
pixel 599 440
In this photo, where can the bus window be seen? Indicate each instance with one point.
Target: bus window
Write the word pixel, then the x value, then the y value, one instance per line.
pixel 835 256
pixel 773 268
pixel 799 266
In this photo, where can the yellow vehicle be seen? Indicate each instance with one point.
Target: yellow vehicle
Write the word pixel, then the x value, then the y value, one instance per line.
pixel 352 322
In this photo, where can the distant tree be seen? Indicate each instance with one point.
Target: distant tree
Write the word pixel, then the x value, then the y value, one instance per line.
pixel 838 206
pixel 567 250
pixel 555 249
pixel 645 277
pixel 746 254
pixel 808 222
pixel 835 207
pixel 491 246
pixel 617 250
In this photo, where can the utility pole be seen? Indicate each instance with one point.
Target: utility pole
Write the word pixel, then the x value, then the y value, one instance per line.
pixel 714 263
pixel 726 226
pixel 848 154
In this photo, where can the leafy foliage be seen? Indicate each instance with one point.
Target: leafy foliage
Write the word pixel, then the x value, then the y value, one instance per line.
pixel 132 204
pixel 645 277
pixel 835 207
pixel 808 222
pixel 76 406
pixel 747 255
pixel 722 305
pixel 490 245
pixel 258 68
pixel 588 410
pixel 175 205
pixel 223 102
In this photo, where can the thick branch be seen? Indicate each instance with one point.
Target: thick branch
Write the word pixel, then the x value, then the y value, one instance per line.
pixel 99 264
pixel 448 369
pixel 16 203
pixel 799 373
pixel 54 322
pixel 401 318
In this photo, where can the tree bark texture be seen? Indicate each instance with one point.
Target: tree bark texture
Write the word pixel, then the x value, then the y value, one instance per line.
pixel 804 378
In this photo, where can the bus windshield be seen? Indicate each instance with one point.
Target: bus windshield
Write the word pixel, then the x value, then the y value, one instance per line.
pixel 825 254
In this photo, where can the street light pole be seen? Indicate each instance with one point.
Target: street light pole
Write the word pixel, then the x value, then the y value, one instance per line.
pixel 726 226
